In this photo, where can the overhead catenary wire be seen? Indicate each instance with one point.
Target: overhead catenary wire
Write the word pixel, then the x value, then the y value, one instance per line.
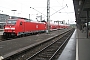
pixel 59 10
pixel 40 7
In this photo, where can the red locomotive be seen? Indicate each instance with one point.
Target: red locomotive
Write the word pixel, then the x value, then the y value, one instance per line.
pixel 18 27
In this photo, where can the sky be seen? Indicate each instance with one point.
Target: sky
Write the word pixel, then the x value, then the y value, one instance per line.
pixel 58 9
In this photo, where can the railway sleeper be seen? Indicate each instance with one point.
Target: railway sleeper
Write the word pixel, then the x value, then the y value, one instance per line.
pixel 44 56
pixel 40 59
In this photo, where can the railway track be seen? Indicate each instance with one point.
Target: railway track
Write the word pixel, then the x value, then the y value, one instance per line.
pixel 48 50
pixel 10 38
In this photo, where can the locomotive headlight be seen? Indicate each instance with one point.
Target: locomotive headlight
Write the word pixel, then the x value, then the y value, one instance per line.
pixel 7 28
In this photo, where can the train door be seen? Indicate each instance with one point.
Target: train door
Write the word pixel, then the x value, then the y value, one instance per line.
pixel 22 27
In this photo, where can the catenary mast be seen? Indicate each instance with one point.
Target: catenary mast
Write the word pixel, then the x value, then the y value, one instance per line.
pixel 48 16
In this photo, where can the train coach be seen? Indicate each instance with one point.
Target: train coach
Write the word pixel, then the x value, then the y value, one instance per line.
pixel 20 27
pixel 58 26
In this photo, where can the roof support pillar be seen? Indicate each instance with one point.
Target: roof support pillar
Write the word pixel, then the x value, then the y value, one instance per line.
pixel 87 22
pixel 87 16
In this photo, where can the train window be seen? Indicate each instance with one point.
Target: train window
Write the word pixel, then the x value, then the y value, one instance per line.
pixel 20 23
pixel 11 22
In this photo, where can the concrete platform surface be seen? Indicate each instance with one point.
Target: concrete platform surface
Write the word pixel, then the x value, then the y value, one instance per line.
pixel 83 48
pixel 69 53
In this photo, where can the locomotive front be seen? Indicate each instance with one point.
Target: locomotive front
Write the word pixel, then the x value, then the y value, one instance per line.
pixel 9 28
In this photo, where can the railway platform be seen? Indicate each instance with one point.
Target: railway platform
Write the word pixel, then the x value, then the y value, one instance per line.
pixel 1 34
pixel 77 48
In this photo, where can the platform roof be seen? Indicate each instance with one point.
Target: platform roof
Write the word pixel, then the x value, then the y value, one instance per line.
pixel 81 7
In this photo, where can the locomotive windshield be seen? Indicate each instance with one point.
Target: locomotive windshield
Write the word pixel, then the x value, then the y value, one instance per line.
pixel 11 22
